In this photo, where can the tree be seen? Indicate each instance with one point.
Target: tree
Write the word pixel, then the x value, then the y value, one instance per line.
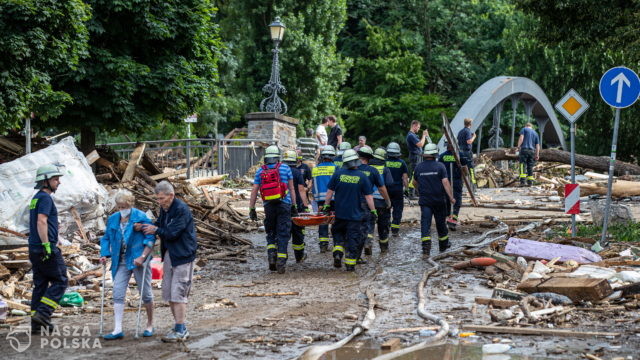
pixel 148 61
pixel 39 41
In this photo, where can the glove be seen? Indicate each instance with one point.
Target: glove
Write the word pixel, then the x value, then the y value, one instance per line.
pixel 325 209
pixel 388 202
pixel 294 211
pixel 47 251
pixel 253 215
pixel 374 215
pixel 306 210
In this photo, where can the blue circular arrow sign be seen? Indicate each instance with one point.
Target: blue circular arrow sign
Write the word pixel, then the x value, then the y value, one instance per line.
pixel 620 87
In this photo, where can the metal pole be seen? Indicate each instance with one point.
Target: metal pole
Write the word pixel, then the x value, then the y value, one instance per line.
pixel 27 136
pixel 514 107
pixel 188 151
pixel 573 174
pixel 614 145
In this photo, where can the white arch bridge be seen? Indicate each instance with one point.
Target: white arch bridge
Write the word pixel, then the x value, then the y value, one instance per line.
pixel 491 97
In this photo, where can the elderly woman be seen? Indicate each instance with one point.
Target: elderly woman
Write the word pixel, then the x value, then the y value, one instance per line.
pixel 128 250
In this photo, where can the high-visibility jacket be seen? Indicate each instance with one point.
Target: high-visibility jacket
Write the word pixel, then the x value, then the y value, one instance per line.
pixel 321 175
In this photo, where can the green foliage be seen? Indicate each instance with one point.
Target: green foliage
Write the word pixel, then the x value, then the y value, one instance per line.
pixel 148 61
pixel 620 231
pixel 39 41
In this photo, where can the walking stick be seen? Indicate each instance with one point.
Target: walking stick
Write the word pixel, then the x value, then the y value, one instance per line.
pixel 104 273
pixel 144 275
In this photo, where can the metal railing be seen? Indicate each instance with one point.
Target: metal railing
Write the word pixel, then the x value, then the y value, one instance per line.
pixel 201 157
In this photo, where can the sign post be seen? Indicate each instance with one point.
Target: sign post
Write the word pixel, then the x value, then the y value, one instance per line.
pixel 190 119
pixel 619 88
pixel 572 106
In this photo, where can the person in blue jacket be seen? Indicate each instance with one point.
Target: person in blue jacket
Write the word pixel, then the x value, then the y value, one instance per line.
pixel 128 250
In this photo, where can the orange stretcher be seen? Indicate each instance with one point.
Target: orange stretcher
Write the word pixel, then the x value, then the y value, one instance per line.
pixel 311 219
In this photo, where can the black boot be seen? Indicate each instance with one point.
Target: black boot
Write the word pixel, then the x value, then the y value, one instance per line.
pixel 367 250
pixel 350 268
pixel 337 259
pixel 41 320
pixel 324 247
pixel 272 256
pixel 281 264
pixel 443 245
pixel 300 256
pixel 426 248
pixel 384 246
pixel 395 231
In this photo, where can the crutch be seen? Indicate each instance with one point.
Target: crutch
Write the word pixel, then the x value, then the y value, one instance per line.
pixel 141 287
pixel 104 274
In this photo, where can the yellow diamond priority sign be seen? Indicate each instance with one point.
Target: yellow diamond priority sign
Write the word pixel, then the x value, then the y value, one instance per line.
pixel 572 105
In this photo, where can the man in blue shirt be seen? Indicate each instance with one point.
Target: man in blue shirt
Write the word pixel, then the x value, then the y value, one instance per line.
pixel 430 178
pixel 465 140
pixel 297 232
pixel 278 208
pixel 455 179
pixel 529 146
pixel 348 184
pixel 321 175
pixel 400 175
pixel 49 269
pixel 415 144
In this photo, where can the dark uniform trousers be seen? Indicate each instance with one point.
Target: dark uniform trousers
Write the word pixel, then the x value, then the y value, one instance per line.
pixel 277 225
pixel 468 156
pixel 457 194
pixel 49 281
pixel 366 227
pixel 347 235
pixel 323 230
pixel 297 240
pixel 383 222
pixel 397 206
pixel 439 212
pixel 526 165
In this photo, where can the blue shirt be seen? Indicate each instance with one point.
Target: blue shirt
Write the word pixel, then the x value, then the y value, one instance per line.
pixel 429 175
pixel 449 161
pixel 397 167
pixel 463 136
pixel 349 185
pixel 531 138
pixel 322 174
pixel 374 178
pixel 412 140
pixel 285 176
pixel 42 203
pixel 297 180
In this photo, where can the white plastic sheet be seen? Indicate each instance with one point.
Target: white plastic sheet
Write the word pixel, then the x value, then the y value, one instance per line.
pixel 78 187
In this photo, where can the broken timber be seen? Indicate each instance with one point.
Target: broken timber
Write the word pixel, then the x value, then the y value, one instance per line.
pixel 535 331
pixel 134 161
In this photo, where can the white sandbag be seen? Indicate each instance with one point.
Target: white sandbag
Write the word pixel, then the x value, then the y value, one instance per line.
pixel 78 187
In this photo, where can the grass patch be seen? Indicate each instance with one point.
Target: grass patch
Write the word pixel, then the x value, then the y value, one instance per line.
pixel 620 232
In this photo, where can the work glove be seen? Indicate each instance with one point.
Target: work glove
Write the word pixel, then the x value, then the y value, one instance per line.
pixel 388 202
pixel 325 209
pixel 253 215
pixel 294 211
pixel 47 251
pixel 306 210
pixel 374 215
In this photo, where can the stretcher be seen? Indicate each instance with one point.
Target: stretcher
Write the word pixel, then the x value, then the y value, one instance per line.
pixel 313 219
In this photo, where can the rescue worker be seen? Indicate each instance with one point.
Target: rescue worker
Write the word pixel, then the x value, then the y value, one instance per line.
pixel 465 140
pixel 379 193
pixel 430 178
pixel 382 207
pixel 349 185
pixel 529 147
pixel 455 179
pixel 274 180
pixel 321 174
pixel 49 269
pixel 400 174
pixel 341 149
pixel 302 203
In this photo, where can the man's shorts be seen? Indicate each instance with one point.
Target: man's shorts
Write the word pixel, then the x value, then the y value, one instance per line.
pixel 176 281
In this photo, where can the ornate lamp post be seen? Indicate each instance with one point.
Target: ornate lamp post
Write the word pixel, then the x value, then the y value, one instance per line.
pixel 273 103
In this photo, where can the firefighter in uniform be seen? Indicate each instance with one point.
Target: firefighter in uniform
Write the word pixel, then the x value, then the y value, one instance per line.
pixel 49 269
pixel 379 194
pixel 430 178
pixel 344 146
pixel 321 174
pixel 349 185
pixel 400 174
pixel 455 179
pixel 302 203
pixel 383 207
pixel 529 147
pixel 278 197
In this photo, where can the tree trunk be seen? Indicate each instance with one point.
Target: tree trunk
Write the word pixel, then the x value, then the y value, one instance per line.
pixel 87 140
pixel 597 163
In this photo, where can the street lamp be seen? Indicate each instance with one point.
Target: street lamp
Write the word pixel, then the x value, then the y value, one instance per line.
pixel 273 103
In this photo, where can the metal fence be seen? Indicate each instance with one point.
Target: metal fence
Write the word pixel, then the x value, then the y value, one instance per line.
pixel 201 157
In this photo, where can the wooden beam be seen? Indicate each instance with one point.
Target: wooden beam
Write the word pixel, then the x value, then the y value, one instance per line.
pixel 536 331
pixel 92 157
pixel 149 165
pixel 134 160
pixel 168 174
pixel 78 221
pixel 501 303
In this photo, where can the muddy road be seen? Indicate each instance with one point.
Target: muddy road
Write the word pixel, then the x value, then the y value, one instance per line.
pixel 326 303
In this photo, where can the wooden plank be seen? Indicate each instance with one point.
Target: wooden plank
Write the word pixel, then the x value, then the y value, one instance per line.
pixel 10 145
pixel 390 344
pixel 149 165
pixel 577 289
pixel 92 157
pixel 168 174
pixel 78 221
pixel 536 331
pixel 13 232
pixel 501 303
pixel 134 160
pixel 16 264
pixel 17 305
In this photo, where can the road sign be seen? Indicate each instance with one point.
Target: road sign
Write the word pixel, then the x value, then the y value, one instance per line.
pixel 572 106
pixel 620 87
pixel 191 119
pixel 572 199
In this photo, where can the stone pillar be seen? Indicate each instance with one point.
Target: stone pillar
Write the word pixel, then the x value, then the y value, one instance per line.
pixel 542 124
pixel 272 127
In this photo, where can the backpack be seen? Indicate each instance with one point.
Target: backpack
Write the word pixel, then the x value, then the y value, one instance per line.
pixel 271 188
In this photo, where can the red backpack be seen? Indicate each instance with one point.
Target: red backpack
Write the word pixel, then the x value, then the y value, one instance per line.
pixel 271 188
